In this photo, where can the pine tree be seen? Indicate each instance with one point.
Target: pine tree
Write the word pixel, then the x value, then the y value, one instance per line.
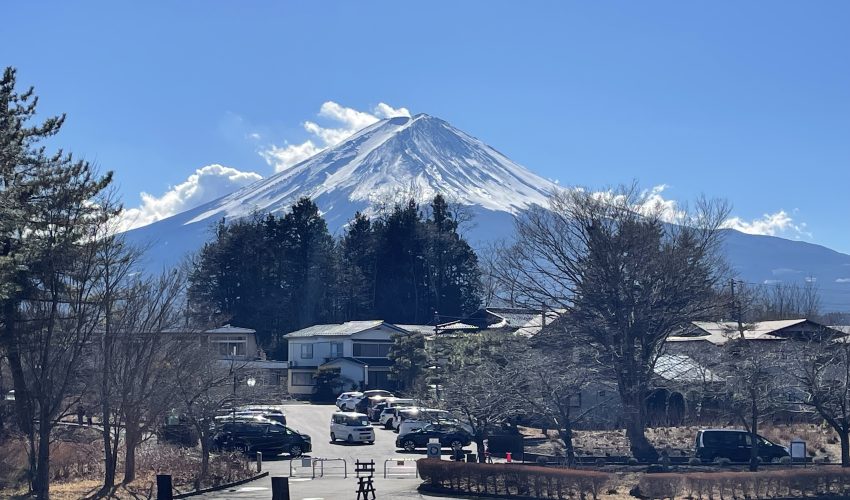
pixel 50 224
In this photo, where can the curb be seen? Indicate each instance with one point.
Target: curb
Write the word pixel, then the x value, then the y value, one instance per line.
pixel 222 486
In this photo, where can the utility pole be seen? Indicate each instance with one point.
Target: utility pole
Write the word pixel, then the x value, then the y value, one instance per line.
pixel 737 307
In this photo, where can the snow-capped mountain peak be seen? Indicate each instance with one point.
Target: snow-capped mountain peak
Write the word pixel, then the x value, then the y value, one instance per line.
pixel 401 156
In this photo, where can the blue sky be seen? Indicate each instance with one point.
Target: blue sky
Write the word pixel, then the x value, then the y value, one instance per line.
pixel 748 101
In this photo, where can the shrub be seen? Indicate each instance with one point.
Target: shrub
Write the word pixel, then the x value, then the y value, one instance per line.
pixel 600 462
pixel 722 462
pixel 511 480
pixel 694 461
pixel 632 461
pixel 825 481
pixel 785 460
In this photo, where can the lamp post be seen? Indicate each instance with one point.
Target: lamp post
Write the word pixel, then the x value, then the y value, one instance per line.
pixel 365 376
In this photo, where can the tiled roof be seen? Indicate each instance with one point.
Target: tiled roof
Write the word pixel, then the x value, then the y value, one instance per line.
pixel 230 329
pixel 339 330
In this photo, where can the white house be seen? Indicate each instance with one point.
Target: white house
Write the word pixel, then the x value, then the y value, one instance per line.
pixel 358 349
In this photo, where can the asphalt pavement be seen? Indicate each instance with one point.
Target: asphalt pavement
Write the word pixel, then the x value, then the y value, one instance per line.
pixel 329 483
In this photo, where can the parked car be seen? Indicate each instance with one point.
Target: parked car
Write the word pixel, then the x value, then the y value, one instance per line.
pixel 260 434
pixel 369 399
pixel 387 414
pixel 352 427
pixel 178 429
pixel 347 400
pixel 431 416
pixel 734 444
pixel 271 412
pixel 403 414
pixel 375 411
pixel 450 436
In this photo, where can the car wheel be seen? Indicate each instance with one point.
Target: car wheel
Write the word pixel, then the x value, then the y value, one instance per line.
pixel 388 425
pixel 350 439
pixel 295 451
pixel 371 442
pixel 409 445
pixel 333 437
pixel 456 445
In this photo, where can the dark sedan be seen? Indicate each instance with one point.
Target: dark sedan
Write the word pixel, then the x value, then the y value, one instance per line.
pixel 450 437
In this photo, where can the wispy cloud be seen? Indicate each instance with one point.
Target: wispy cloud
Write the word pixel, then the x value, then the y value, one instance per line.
pixel 205 184
pixel 347 121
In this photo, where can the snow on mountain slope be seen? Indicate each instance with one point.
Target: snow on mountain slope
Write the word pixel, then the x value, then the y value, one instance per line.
pixel 420 156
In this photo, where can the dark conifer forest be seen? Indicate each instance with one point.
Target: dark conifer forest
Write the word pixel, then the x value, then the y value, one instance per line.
pixel 277 274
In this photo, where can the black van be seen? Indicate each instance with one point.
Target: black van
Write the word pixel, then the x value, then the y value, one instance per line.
pixel 265 436
pixel 734 444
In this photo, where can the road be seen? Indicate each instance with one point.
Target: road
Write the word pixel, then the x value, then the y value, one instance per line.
pixel 314 420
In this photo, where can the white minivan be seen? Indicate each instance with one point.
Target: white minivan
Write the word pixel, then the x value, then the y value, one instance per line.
pixel 347 400
pixel 351 427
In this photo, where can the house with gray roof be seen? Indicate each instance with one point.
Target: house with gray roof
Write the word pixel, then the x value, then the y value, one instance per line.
pixel 358 350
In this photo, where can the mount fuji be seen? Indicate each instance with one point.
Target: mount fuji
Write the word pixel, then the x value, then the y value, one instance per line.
pixel 420 156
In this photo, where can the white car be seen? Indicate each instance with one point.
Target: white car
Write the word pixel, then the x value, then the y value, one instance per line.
pixel 347 400
pixel 352 428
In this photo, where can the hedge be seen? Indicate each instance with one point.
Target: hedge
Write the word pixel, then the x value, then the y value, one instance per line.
pixel 510 480
pixel 827 481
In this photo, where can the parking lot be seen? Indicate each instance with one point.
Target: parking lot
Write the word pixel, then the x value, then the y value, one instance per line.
pixel 314 420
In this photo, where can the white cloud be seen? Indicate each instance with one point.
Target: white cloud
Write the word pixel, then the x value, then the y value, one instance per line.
pixel 779 223
pixel 842 280
pixel 206 184
pixel 348 120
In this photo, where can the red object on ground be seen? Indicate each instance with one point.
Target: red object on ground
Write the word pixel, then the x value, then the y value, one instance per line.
pixel 508 457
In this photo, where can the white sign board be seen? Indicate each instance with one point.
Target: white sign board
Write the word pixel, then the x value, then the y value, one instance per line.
pixel 798 449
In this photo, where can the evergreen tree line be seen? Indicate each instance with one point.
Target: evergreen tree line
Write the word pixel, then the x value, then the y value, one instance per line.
pixel 277 274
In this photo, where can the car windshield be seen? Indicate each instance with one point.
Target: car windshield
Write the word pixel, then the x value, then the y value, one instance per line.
pixel 352 421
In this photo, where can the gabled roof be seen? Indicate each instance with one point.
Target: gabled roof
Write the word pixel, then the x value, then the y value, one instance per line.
pixel 231 329
pixel 721 332
pixel 342 330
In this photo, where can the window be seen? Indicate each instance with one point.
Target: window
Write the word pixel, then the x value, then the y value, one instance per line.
pixel 302 378
pixel 364 350
pixel 575 401
pixel 306 351
pixel 601 394
pixel 230 345
pixel 336 349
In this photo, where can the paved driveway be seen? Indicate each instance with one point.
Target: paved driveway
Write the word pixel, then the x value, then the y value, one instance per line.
pixel 314 420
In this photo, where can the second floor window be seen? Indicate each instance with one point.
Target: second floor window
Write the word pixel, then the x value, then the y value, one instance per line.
pixel 364 350
pixel 306 351
pixel 336 349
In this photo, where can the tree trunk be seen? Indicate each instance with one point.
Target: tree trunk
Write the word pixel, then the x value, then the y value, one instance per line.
pixel 131 442
pixel 41 480
pixel 754 449
pixel 109 458
pixel 844 435
pixel 634 414
pixel 566 435
pixel 205 458
pixel 479 443
pixel 23 408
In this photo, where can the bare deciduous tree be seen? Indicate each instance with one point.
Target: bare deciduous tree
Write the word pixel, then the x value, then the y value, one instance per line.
pixel 626 275
pixel 823 374
pixel 754 388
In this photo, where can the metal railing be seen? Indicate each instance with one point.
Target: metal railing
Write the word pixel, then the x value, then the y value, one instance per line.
pixel 297 466
pixel 400 467
pixel 333 468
